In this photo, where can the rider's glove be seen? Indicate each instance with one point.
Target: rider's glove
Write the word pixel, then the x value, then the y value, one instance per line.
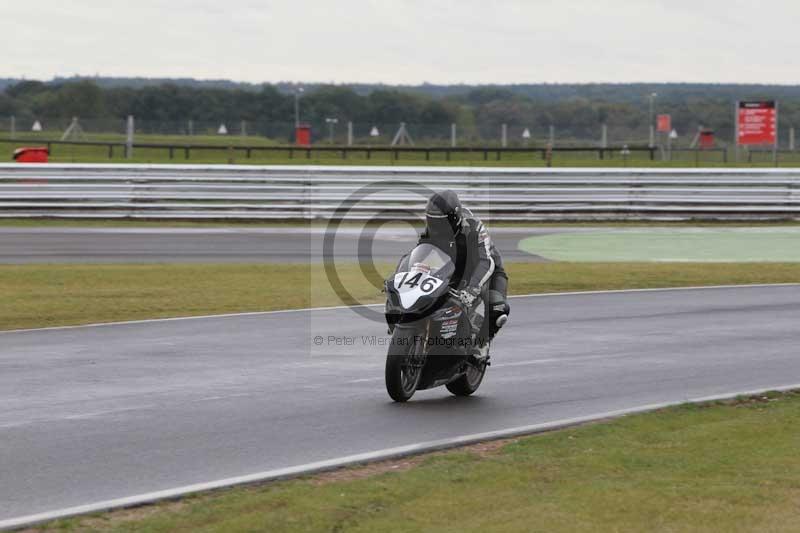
pixel 469 295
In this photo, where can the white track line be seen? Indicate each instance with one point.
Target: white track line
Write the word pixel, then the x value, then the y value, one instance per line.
pixel 334 307
pixel 349 460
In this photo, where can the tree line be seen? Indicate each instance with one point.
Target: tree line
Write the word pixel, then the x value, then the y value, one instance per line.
pixel 576 111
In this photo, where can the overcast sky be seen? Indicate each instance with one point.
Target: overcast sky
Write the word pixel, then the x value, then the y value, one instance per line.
pixel 405 41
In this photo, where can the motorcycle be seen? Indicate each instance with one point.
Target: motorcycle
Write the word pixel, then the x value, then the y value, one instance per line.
pixel 433 331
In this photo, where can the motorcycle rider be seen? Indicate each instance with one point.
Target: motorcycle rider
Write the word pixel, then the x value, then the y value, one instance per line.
pixel 479 268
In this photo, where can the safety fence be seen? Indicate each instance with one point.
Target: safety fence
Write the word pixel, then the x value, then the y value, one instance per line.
pixel 622 128
pixel 386 193
pixel 234 152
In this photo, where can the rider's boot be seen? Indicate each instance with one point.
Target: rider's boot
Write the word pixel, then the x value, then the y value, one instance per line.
pixel 480 347
pixel 480 354
pixel 480 350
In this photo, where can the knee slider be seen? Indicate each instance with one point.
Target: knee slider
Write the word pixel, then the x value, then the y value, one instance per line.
pixel 498 306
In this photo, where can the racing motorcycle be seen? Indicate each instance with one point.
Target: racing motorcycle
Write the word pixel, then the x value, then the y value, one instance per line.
pixel 433 330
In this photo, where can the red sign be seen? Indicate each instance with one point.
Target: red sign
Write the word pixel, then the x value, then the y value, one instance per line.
pixel 757 122
pixel 706 139
pixel 664 123
pixel 302 135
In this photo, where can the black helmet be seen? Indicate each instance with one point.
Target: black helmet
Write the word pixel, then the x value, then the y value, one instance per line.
pixel 443 214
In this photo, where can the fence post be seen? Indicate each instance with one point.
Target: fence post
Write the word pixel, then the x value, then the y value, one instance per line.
pixel 453 135
pixel 13 126
pixel 243 128
pixel 129 138
pixel 552 135
pixel 350 133
pixel 191 127
pixel 668 154
pixel 504 136
pixel 791 139
pixel 604 137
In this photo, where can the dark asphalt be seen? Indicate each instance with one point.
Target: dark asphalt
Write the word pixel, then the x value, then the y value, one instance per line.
pixel 95 413
pixel 216 245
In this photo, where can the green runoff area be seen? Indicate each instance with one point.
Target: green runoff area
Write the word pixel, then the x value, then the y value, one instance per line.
pixel 725 466
pixel 668 244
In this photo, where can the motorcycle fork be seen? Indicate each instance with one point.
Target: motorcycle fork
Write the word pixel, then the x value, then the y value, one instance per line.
pixel 420 354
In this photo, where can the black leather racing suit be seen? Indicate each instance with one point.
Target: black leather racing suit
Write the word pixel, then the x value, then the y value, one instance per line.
pixel 478 264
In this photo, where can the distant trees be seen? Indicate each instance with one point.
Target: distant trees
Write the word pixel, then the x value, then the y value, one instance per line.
pixel 576 111
pixel 82 98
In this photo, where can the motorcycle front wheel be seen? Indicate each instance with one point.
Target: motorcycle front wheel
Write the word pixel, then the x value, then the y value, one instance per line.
pixel 402 371
pixel 469 382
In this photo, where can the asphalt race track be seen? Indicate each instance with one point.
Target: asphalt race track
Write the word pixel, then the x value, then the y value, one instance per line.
pixel 95 413
pixel 218 245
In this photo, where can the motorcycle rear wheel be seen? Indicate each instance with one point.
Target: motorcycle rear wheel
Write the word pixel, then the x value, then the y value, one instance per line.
pixel 401 376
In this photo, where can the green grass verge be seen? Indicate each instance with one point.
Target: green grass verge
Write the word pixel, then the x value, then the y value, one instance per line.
pixel 55 295
pixel 158 223
pixel 721 467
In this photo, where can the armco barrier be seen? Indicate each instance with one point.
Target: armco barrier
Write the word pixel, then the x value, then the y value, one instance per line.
pixel 304 192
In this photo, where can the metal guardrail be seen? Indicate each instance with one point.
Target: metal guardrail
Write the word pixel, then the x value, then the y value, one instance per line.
pixel 305 192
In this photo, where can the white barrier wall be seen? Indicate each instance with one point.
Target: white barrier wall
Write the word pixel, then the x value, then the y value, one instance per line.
pixel 321 192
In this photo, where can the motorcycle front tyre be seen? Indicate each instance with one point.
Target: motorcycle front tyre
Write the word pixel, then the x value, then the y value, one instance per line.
pixel 402 378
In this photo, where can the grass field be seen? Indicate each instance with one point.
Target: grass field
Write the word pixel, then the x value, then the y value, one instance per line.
pixel 55 295
pixel 719 467
pixel 99 154
pixel 223 140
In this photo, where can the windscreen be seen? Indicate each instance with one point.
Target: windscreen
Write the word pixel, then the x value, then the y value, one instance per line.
pixel 427 255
